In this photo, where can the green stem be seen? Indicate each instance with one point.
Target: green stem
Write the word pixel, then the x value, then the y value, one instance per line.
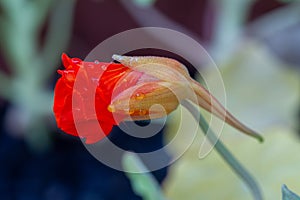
pixel 143 183
pixel 237 167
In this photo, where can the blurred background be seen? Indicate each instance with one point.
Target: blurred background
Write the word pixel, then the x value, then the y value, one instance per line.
pixel 256 45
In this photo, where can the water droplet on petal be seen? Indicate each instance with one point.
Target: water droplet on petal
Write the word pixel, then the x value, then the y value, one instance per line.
pixel 128 111
pixel 104 67
pixel 143 112
pixel 96 62
pixel 111 108
pixel 139 96
pixel 76 60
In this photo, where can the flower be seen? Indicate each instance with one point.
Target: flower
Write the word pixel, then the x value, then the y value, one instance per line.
pixel 128 90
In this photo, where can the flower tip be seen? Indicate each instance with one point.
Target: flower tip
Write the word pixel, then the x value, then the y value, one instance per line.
pixel 65 59
pixel 64 56
pixel 257 136
pixel 260 138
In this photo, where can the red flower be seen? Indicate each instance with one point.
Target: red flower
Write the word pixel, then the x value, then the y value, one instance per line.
pixel 115 79
pixel 125 91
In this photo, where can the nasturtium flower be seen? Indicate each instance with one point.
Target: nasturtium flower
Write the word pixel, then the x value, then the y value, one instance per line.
pixel 126 91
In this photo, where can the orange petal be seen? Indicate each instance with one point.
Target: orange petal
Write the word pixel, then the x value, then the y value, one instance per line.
pixel 138 102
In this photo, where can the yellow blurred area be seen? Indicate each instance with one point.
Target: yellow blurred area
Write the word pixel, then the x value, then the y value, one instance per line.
pixel 273 163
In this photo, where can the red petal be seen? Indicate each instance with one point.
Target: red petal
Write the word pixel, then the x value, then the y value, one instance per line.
pixel 65 60
pixel 60 97
pixel 96 82
pixel 70 63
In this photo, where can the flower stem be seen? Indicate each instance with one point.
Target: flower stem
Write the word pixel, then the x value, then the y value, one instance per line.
pixel 229 158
